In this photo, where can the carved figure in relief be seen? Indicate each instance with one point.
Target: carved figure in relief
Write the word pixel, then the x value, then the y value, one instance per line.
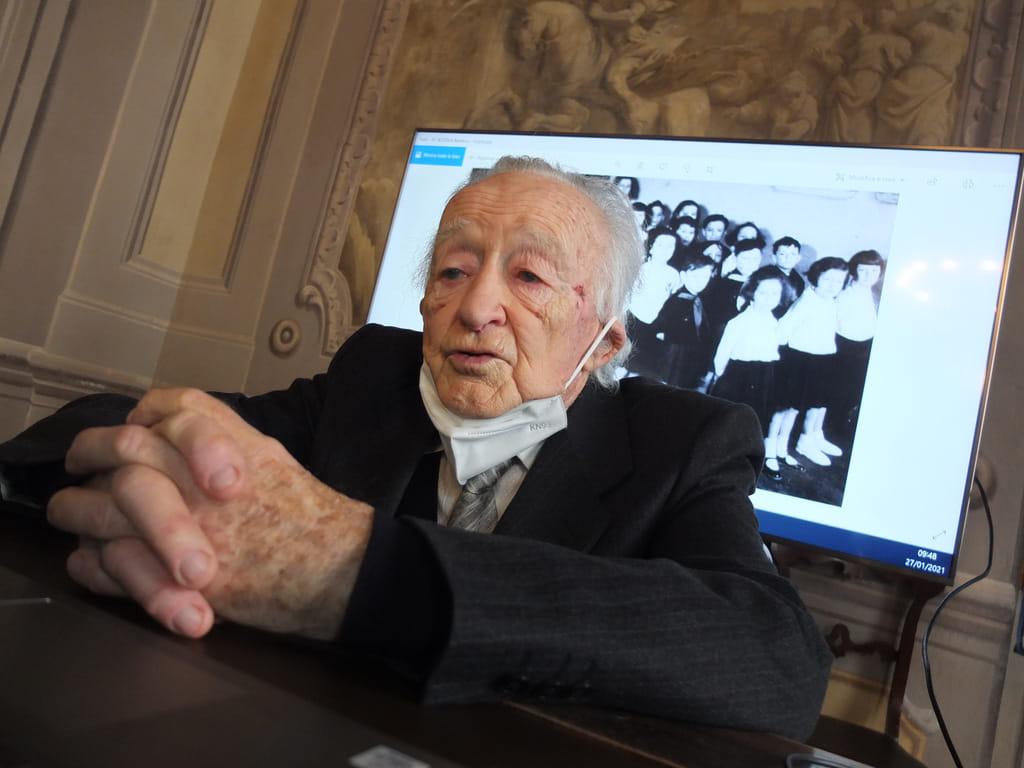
pixel 563 58
pixel 820 62
pixel 789 113
pixel 642 37
pixel 879 53
pixel 749 76
pixel 579 61
pixel 916 106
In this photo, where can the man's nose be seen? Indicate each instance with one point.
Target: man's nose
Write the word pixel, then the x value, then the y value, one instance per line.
pixel 483 302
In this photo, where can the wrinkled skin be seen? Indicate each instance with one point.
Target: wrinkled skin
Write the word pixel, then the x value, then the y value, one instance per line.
pixel 509 310
pixel 196 515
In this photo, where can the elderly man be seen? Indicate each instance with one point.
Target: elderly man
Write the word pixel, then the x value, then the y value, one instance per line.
pixel 480 505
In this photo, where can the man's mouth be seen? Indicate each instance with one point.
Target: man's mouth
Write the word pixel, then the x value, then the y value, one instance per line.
pixel 469 359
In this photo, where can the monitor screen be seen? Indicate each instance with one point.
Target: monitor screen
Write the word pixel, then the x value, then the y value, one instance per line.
pixel 849 294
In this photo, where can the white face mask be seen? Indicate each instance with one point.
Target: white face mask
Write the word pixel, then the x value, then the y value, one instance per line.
pixel 475 445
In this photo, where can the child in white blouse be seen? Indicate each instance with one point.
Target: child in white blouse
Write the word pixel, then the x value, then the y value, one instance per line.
pixel 808 373
pixel 744 363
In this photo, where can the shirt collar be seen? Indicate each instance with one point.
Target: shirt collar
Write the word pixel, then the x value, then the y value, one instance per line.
pixel 526 457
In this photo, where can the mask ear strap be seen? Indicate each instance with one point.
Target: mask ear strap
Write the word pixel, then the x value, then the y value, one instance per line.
pixel 590 351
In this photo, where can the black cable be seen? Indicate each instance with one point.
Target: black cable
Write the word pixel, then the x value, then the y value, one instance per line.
pixel 1018 647
pixel 931 624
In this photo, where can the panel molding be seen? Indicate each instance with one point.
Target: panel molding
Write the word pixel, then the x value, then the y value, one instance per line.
pixel 134 344
pixel 262 147
pixel 157 159
pixel 198 78
pixel 31 32
pixel 148 316
pixel 136 154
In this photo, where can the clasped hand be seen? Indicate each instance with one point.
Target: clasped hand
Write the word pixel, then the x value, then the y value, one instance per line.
pixel 194 514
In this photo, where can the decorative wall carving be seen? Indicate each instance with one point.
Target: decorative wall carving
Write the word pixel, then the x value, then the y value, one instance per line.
pixel 994 54
pixel 285 337
pixel 326 286
pixel 836 70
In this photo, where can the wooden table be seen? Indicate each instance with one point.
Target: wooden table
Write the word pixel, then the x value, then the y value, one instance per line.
pixel 500 734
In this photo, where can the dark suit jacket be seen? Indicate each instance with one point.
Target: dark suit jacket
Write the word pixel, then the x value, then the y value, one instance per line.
pixel 627 571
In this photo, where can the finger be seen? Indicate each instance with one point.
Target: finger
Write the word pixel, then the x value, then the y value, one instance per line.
pixel 207 433
pixel 214 452
pixel 88 512
pixel 136 568
pixel 154 506
pixel 159 404
pixel 84 567
pixel 102 449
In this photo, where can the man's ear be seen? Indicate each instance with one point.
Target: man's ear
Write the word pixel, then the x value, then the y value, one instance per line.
pixel 609 347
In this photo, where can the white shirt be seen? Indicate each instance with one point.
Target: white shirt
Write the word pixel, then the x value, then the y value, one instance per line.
pixel 810 324
pixel 750 336
pixel 448 488
pixel 657 283
pixel 856 313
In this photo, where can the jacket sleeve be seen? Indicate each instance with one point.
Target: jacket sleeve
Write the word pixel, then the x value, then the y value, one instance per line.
pixel 699 628
pixel 32 463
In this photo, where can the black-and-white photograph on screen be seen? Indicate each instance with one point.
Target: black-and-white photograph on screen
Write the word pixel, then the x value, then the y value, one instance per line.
pixel 769 296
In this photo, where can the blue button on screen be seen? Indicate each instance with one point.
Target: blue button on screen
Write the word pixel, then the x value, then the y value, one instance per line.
pixel 422 155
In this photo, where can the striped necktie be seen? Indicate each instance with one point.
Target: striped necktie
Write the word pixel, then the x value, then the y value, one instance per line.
pixel 476 509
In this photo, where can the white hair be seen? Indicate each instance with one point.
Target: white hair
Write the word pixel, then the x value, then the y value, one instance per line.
pixel 616 273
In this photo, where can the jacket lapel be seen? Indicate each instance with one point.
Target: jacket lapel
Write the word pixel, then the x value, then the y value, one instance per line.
pixel 560 501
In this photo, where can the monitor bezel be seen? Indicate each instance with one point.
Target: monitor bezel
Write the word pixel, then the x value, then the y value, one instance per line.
pixel 1014 223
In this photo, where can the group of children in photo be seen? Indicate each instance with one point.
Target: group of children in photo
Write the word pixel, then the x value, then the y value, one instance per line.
pixel 714 314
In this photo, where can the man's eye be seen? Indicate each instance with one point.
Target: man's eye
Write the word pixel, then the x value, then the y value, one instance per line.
pixel 450 273
pixel 528 277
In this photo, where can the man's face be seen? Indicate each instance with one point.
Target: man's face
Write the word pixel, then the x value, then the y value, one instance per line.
pixel 688 210
pixel 696 280
pixel 686 233
pixel 657 216
pixel 787 257
pixel 625 185
pixel 748 261
pixel 509 309
pixel 714 230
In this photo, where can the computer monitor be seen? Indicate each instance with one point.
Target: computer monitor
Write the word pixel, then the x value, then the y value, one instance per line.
pixel 905 249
